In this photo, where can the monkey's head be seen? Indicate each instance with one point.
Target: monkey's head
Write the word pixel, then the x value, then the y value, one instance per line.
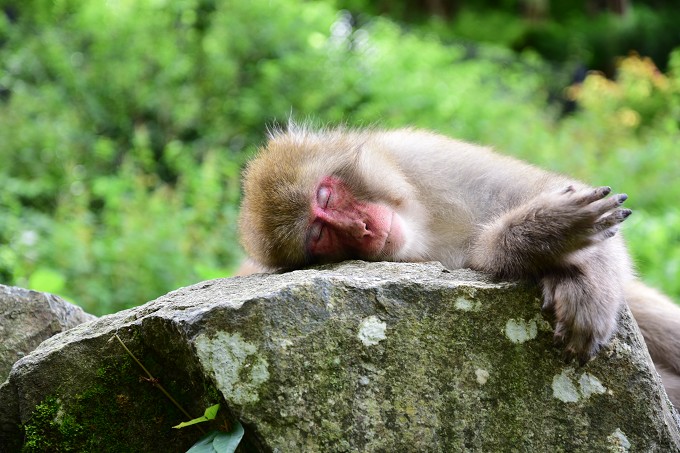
pixel 307 199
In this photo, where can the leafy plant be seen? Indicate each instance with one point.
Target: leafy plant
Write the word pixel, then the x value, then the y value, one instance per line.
pixel 126 124
pixel 209 414
pixel 215 441
pixel 219 441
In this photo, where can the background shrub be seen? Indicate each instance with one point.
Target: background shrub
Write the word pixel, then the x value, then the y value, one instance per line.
pixel 125 125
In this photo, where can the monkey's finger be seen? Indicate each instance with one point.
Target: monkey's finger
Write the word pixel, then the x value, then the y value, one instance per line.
pixel 589 196
pixel 606 234
pixel 611 221
pixel 560 334
pixel 561 340
pixel 588 352
pixel 578 343
pixel 601 207
pixel 548 307
pixel 568 356
pixel 580 348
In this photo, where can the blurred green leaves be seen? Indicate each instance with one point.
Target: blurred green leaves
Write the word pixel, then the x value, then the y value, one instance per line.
pixel 124 126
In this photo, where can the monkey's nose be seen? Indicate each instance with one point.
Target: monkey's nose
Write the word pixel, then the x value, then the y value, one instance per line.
pixel 360 230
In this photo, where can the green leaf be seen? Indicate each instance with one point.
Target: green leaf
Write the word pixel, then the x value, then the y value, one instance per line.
pixel 205 445
pixel 191 422
pixel 219 442
pixel 209 414
pixel 227 442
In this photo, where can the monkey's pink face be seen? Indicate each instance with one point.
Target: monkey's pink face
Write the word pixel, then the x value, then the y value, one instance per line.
pixel 343 227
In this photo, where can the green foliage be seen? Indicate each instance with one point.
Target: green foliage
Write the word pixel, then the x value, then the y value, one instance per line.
pixel 219 442
pixel 654 240
pixel 596 40
pixel 125 125
pixel 209 414
pixel 583 31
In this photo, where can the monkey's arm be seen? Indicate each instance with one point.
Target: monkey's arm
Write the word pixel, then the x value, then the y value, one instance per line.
pixel 535 237
pixel 563 239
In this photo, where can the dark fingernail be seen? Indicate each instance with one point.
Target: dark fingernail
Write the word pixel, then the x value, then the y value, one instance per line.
pixel 623 197
pixel 606 190
pixel 625 213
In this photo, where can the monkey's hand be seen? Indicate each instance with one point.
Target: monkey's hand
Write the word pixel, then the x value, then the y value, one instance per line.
pixel 536 237
pixel 584 299
pixel 589 216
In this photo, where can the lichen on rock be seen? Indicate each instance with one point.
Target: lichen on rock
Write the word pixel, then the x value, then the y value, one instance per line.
pixel 234 363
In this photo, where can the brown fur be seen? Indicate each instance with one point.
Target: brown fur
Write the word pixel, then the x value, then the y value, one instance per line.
pixel 466 206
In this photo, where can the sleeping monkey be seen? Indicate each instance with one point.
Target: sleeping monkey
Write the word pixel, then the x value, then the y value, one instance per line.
pixel 320 196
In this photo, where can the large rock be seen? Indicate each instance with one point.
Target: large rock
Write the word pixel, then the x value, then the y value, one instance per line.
pixel 352 357
pixel 29 317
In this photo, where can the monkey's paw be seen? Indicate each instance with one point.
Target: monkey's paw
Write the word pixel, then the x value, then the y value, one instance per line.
pixel 585 315
pixel 591 216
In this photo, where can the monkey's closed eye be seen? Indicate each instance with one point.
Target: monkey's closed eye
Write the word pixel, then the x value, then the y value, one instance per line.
pixel 315 231
pixel 323 196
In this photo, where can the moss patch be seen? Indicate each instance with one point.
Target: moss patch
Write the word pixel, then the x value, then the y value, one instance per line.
pixel 51 430
pixel 117 406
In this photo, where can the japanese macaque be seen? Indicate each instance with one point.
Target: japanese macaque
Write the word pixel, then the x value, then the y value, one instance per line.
pixel 319 196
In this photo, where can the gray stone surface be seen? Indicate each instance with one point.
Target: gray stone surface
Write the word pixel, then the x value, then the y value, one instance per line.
pixel 352 357
pixel 29 317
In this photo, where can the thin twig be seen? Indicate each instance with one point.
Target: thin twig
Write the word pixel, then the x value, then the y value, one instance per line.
pixel 155 382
